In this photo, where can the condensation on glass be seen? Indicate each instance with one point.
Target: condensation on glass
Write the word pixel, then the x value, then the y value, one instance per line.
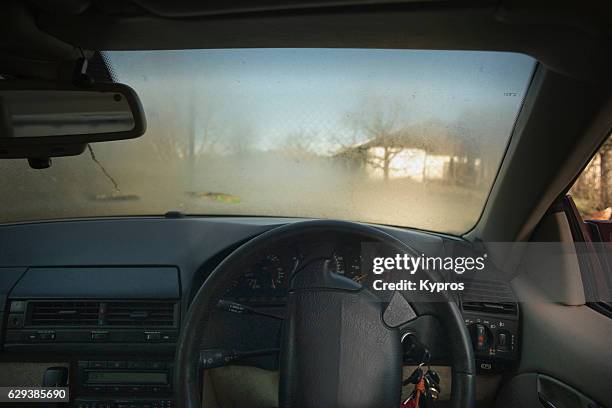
pixel 400 137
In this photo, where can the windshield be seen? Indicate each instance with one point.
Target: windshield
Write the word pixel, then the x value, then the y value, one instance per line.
pixel 400 137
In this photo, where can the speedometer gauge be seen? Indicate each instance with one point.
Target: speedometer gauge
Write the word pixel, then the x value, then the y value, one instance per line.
pixel 267 274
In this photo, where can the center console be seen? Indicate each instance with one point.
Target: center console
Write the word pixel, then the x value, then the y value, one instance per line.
pixel 124 384
pixel 118 327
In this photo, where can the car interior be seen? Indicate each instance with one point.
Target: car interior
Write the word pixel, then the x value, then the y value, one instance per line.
pixel 195 196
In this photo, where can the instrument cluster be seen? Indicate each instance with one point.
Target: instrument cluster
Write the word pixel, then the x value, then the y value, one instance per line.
pixel 265 281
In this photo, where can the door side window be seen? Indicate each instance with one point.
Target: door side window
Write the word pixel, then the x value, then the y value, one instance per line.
pixel 589 211
pixel 592 191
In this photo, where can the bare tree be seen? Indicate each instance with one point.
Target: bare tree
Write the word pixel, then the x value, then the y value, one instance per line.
pixel 185 130
pixel 299 145
pixel 241 138
pixel 373 125
pixel 605 156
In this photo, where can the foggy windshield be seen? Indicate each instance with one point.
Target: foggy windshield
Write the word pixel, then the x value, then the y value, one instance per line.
pixel 400 137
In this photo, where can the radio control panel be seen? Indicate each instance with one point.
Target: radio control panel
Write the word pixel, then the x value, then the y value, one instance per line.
pixel 118 383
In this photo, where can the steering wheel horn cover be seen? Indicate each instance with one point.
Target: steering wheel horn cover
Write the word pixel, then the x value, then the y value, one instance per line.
pixel 336 349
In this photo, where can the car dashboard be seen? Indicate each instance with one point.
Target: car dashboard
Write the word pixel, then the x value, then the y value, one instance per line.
pixel 104 299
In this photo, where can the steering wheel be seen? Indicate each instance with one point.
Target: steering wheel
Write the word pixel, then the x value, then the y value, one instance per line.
pixel 336 350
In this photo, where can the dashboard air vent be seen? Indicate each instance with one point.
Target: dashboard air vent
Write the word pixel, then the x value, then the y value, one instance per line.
pixel 149 314
pixel 485 307
pixel 487 291
pixel 489 296
pixel 63 313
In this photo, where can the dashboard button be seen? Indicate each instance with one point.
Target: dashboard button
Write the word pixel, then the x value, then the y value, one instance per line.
pixel 47 336
pixel 486 366
pixel 99 336
pixel 97 364
pixel 482 338
pixel 15 321
pixel 31 336
pixel 504 341
pixel 152 336
pixel 116 364
pixel 137 364
pixel 17 306
pixel 156 365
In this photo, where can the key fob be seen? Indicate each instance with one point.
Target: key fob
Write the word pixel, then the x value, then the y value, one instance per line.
pixel 415 377
pixel 433 376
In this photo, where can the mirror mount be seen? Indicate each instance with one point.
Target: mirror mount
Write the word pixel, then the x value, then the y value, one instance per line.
pixel 41 120
pixel 39 163
pixel 80 77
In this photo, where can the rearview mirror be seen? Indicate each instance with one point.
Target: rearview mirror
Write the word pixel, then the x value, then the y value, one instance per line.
pixel 43 120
